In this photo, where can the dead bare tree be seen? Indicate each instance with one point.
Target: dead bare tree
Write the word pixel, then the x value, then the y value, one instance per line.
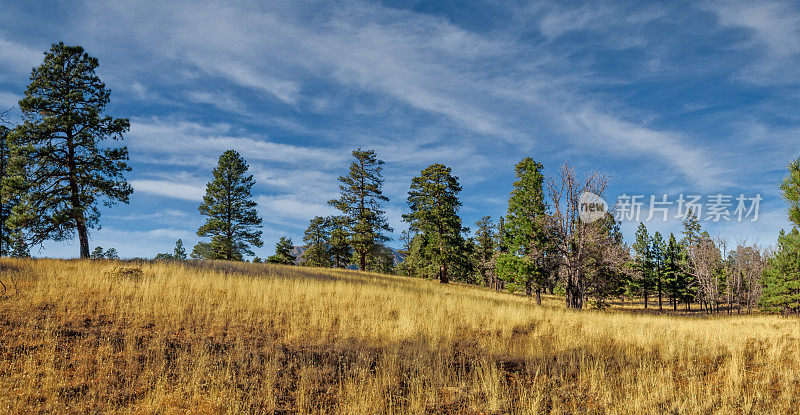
pixel 572 238
pixel 705 265
pixel 747 266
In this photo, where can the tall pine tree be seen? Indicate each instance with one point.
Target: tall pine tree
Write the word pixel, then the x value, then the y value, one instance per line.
pixel 643 262
pixel 434 204
pixel 231 218
pixel 61 161
pixel 360 202
pixel 657 248
pixel 5 199
pixel 525 264
pixel 485 245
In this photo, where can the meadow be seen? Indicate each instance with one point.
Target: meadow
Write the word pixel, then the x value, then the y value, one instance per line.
pixel 218 337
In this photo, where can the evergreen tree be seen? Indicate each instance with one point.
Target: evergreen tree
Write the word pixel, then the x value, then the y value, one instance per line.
pixel 179 252
pixel 657 248
pixel 202 250
pixel 434 204
pixel 790 187
pixel 526 233
pixel 607 261
pixel 360 202
pixel 781 280
pixel 61 163
pixel 317 243
pixel 381 260
pixel 231 217
pixel 643 262
pixel 405 267
pixel 112 254
pixel 5 200
pixel 97 253
pixel 485 246
pixel 283 252
pixel 340 249
pixel 675 281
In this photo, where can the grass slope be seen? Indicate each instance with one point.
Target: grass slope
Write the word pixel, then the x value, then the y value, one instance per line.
pixel 252 338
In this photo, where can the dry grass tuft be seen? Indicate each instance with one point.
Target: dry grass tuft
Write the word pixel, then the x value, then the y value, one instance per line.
pixel 250 338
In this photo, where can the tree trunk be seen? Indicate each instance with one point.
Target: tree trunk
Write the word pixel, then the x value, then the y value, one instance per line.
pixel 538 295
pixel 77 209
pixel 659 295
pixel 362 261
pixel 645 299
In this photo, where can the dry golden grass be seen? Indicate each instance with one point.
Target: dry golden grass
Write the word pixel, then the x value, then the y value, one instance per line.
pixel 241 338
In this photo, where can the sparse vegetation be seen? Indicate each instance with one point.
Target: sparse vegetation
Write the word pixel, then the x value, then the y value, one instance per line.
pixel 246 338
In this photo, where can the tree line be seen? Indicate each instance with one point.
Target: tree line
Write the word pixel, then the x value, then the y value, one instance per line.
pixel 65 158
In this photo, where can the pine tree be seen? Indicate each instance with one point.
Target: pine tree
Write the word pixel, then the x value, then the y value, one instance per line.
pixel 61 162
pixel 231 217
pixel 317 243
pixel 657 248
pixel 643 262
pixel 674 276
pixel 485 246
pixel 790 187
pixel 781 280
pixel 112 254
pixel 434 204
pixel 340 249
pixel 526 231
pixel 360 202
pixel 202 250
pixel 283 252
pixel 97 253
pixel 179 252
pixel 5 199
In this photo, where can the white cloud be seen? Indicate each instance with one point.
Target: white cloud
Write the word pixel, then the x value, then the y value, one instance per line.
pixel 621 138
pixel 8 100
pixel 163 137
pixel 290 209
pixel 17 57
pixel 775 30
pixel 169 189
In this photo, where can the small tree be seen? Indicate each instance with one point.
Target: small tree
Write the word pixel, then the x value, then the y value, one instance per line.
pixel 340 249
pixel 283 252
pixel 317 243
pixel 179 252
pixel 360 203
pixel 231 217
pixel 202 250
pixel 97 253
pixel 60 165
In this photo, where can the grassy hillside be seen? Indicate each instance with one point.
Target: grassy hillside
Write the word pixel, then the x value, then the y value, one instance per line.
pixel 80 336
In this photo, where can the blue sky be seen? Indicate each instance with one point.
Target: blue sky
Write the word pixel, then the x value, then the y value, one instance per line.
pixel 672 97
